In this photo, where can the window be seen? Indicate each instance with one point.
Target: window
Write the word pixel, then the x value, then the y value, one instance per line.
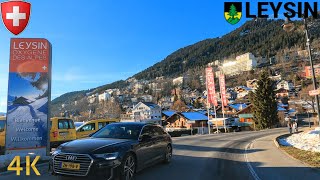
pixel 65 124
pixel 88 127
pixel 147 130
pixel 119 131
pixel 2 125
pixel 101 124
pixel 158 131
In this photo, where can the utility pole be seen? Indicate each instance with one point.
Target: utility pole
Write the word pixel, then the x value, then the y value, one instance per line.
pixel 312 69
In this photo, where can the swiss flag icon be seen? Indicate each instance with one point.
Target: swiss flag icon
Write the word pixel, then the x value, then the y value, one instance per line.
pixel 15 15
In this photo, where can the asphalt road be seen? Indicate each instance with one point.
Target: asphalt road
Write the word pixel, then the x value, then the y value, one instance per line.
pixel 217 156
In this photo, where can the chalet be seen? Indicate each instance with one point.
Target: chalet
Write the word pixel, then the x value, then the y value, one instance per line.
pixel 187 120
pixel 242 91
pixel 246 117
pixel 287 85
pixel 147 112
pixel 237 107
pixel 252 84
pixel 167 114
pixel 282 93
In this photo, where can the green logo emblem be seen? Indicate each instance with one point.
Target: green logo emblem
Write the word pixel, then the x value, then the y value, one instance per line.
pixel 232 12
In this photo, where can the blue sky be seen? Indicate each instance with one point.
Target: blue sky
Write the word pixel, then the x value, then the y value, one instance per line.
pixel 98 42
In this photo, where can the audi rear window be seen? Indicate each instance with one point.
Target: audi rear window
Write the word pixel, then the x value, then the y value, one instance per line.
pixel 65 124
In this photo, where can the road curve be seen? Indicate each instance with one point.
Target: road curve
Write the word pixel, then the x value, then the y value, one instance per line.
pixel 217 156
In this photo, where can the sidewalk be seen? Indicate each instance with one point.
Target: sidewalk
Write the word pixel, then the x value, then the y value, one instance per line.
pixel 275 164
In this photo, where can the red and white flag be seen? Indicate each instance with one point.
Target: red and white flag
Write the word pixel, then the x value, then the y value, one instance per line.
pixel 15 15
pixel 211 92
pixel 222 83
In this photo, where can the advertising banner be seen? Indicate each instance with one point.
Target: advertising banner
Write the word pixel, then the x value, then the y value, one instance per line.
pixel 222 83
pixel 211 92
pixel 28 96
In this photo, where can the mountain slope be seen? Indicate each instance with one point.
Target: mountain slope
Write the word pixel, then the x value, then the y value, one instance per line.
pixel 261 37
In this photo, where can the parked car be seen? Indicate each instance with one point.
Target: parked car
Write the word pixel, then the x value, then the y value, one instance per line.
pixel 118 150
pixel 92 126
pixel 78 124
pixel 61 130
pixel 2 133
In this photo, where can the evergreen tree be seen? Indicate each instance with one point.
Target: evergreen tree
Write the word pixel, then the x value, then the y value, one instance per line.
pixel 265 111
pixel 233 11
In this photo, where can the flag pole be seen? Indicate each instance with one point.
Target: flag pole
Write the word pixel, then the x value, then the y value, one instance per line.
pixel 208 106
pixel 215 115
pixel 222 107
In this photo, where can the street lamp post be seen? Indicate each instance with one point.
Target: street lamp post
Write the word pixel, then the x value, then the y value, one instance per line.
pixel 312 69
pixel 289 26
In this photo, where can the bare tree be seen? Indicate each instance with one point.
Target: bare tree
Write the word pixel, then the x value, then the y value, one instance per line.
pixel 304 95
pixel 109 109
pixel 179 105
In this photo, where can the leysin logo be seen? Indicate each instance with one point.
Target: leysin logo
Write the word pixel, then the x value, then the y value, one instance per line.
pixel 15 15
pixel 232 12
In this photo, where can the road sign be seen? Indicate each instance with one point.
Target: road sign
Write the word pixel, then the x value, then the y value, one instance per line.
pixel 314 92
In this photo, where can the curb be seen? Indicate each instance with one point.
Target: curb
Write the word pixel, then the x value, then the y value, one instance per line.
pixel 275 140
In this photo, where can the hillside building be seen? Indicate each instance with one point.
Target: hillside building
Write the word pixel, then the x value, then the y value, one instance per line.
pixel 244 62
pixel 178 81
pixel 105 96
pixel 308 72
pixel 144 112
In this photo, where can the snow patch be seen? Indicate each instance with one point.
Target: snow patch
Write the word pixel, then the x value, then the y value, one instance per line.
pixel 309 141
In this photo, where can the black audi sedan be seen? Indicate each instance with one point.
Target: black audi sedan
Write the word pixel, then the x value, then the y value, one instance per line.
pixel 116 151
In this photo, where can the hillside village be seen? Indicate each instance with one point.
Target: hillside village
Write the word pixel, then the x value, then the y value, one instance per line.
pixel 180 103
pixel 173 91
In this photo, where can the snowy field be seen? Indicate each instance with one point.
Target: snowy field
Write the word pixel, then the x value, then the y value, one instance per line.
pixel 309 141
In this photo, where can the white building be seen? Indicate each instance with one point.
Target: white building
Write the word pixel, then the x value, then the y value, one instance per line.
pixel 145 112
pixel 282 84
pixel 105 96
pixel 177 81
pixel 92 98
pixel 244 62
pixel 147 98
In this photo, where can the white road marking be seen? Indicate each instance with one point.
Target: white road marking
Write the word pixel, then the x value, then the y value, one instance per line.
pixel 253 173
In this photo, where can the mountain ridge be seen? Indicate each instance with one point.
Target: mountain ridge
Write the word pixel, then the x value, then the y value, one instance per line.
pixel 262 37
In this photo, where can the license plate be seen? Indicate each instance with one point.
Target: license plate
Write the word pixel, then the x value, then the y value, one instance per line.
pixel 63 133
pixel 72 166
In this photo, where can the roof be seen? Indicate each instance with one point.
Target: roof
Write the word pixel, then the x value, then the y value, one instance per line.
pixel 291 111
pixel 151 105
pixel 283 105
pixel 204 112
pixel 281 90
pixel 169 113
pixel 281 108
pixel 238 107
pixel 245 115
pixel 194 116
pixel 245 88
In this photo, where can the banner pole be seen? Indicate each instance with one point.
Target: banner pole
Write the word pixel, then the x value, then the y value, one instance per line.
pixel 208 106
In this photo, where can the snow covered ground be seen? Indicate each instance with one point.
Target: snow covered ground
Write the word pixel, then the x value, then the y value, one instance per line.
pixel 309 141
